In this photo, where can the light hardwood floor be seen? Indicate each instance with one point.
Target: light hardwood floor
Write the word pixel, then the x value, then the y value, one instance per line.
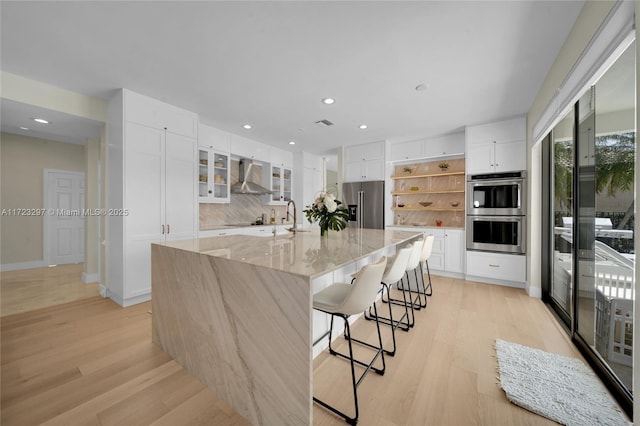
pixel 30 289
pixel 91 362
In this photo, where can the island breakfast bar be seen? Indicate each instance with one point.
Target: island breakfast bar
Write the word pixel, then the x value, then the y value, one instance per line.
pixel 236 312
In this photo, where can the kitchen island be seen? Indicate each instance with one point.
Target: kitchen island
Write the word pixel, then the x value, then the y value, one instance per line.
pixel 236 311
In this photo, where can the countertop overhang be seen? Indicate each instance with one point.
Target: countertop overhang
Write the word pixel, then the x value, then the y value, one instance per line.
pixel 303 253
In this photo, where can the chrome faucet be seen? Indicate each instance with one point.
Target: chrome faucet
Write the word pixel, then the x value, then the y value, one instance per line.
pixel 295 217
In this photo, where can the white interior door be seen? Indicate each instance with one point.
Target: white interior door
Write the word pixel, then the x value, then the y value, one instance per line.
pixel 65 224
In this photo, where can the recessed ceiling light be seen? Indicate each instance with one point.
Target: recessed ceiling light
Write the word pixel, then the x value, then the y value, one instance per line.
pixel 292 142
pixel 247 126
pixel 328 101
pixel 362 126
pixel 40 120
pixel 23 128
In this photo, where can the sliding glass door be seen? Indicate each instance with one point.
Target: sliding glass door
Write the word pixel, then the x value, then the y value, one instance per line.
pixel 590 259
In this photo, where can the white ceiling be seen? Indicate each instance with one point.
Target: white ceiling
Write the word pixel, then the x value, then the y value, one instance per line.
pixel 270 63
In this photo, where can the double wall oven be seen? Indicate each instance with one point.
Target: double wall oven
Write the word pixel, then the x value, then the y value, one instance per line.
pixel 496 208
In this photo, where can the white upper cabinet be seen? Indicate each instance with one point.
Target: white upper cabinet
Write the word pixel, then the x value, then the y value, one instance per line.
pixel 445 145
pixel 364 162
pixel 280 157
pixel 212 138
pixel 427 148
pixel 369 151
pixel 247 148
pixel 497 147
pixel 159 115
pixel 407 150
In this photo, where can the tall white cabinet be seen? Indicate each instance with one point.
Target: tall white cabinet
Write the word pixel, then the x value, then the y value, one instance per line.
pixel 497 147
pixel 152 182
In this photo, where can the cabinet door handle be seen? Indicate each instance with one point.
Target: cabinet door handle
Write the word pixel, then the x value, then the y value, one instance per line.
pixel 162 229
pixel 168 229
pixel 494 266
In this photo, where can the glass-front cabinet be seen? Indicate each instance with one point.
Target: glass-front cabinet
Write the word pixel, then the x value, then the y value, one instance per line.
pixel 213 176
pixel 280 185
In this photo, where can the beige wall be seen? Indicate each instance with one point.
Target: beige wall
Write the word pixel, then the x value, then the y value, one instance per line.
pixel 32 92
pixel 22 163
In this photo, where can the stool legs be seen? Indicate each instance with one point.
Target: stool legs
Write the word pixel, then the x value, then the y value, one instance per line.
pixel 428 289
pixel 389 320
pixel 379 353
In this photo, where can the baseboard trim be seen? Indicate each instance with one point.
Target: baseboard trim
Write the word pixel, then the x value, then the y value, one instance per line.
pixel 89 278
pixel 496 281
pixel 129 301
pixel 22 265
pixel 534 291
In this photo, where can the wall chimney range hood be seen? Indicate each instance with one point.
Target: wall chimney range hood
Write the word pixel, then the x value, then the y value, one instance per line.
pixel 246 184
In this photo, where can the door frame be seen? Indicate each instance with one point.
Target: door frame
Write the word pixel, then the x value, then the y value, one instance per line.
pixel 46 222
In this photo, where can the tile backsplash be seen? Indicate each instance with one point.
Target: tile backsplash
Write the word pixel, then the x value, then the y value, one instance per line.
pixel 243 207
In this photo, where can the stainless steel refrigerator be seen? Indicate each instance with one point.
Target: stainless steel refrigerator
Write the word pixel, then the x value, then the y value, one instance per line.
pixel 365 201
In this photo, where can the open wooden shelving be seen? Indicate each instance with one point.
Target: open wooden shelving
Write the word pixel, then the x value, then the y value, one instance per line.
pixel 426 182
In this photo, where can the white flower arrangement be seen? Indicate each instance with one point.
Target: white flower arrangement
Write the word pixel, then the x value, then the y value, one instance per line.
pixel 328 212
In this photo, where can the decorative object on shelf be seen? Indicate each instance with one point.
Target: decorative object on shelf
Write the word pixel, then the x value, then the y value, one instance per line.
pixel 438 223
pixel 425 203
pixel 328 212
pixel 407 170
pixel 401 205
pixel 454 203
pixel 443 165
pixel 415 188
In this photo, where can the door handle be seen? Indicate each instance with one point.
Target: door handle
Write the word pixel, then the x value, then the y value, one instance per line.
pixel 162 229
pixel 168 229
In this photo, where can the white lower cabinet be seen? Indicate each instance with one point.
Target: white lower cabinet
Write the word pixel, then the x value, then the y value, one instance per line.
pixel 447 254
pixel 511 268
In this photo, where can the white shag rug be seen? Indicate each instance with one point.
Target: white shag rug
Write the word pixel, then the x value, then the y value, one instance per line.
pixel 560 388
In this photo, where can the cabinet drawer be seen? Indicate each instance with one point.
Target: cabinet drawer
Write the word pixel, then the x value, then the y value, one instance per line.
pixel 499 266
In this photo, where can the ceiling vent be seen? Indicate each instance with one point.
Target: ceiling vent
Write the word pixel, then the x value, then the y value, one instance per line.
pixel 324 123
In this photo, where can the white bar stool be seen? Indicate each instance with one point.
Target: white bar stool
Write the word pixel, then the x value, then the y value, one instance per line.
pixel 424 259
pixel 392 275
pixel 412 265
pixel 344 300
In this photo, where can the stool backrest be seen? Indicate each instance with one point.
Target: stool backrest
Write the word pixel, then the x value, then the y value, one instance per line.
pixel 414 258
pixel 364 288
pixel 426 248
pixel 399 266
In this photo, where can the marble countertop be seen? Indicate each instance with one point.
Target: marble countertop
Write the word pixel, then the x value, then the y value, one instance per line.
pixel 303 253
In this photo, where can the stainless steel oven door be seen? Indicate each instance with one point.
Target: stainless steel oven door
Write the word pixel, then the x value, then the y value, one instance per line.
pixel 497 233
pixel 496 197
